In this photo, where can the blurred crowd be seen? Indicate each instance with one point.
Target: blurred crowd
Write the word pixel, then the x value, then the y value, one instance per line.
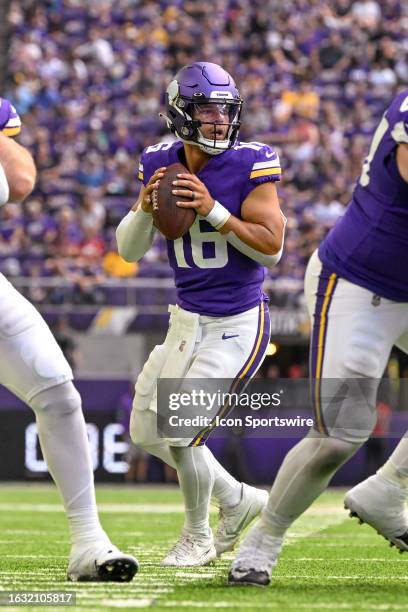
pixel 88 79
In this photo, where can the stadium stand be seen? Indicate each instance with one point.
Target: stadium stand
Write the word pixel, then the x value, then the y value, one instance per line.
pixel 88 79
pixel 4 42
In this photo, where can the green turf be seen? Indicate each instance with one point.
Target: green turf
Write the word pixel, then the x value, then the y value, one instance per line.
pixel 329 562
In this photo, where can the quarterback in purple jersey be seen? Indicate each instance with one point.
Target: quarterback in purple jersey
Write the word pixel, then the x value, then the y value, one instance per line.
pixel 220 325
pixel 356 289
pixel 33 367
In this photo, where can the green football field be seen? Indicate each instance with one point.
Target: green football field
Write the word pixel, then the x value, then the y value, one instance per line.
pixel 328 563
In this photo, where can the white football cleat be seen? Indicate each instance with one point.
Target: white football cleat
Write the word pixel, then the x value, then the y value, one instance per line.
pixel 233 519
pixel 100 562
pixel 191 550
pixel 381 504
pixel 256 558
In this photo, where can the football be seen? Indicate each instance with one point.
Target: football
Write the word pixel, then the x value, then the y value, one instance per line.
pixel 171 220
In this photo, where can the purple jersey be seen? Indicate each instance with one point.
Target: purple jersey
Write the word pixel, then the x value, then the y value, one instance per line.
pixel 10 123
pixel 369 244
pixel 213 278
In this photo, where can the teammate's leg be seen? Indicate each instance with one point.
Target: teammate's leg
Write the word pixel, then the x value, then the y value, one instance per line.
pixel 396 468
pixel 33 367
pixel 380 499
pixel 65 446
pixel 64 442
pixel 305 473
pixel 352 345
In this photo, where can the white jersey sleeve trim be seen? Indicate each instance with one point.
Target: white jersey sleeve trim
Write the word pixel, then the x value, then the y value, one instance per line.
pixel 399 133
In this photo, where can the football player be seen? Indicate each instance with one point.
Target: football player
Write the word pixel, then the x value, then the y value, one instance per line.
pixel 220 326
pixel 33 367
pixel 356 288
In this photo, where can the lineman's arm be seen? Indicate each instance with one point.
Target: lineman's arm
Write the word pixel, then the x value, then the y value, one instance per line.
pixel 18 168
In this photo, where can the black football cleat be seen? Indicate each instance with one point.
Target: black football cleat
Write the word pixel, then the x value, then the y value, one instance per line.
pixel 250 578
pixel 257 556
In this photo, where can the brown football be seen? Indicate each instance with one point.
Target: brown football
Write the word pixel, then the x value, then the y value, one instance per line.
pixel 171 220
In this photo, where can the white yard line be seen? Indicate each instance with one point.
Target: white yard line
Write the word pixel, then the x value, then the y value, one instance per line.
pixel 315 512
pixel 353 559
pixel 195 575
pixel 109 508
pixel 278 605
pixel 385 579
pixel 127 603
pixel 32 556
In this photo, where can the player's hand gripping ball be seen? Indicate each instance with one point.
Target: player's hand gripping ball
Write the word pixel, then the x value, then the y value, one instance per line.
pixel 171 220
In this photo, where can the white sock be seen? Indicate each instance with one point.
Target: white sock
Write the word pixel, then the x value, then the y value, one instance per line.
pixel 226 490
pixel 65 446
pixel 396 468
pixel 196 482
pixel 305 472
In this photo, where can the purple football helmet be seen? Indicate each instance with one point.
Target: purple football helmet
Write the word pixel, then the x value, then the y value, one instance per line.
pixel 206 84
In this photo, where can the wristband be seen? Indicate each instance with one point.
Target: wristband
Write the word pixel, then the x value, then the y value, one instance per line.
pixel 218 215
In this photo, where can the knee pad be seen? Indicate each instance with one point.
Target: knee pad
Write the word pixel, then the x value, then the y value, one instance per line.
pixel 348 408
pixel 61 399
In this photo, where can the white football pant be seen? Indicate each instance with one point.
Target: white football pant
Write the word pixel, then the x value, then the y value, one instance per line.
pixel 199 347
pixel 353 332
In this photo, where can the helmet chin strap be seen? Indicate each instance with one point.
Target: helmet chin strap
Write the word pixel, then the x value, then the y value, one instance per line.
pixel 205 145
pixel 206 148
pixel 167 120
pixel 209 149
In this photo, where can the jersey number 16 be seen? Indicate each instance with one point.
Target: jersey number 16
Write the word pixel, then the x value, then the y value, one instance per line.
pixel 198 237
